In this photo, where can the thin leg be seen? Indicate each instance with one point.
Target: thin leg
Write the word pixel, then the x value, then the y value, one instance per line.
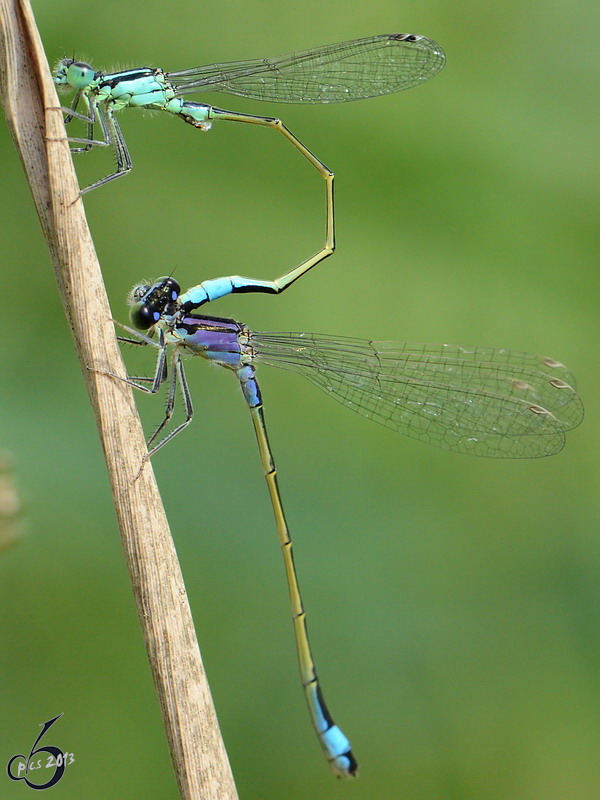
pixel 177 375
pixel 160 376
pixel 160 372
pixel 71 113
pixel 136 342
pixel 139 337
pixel 111 131
pixel 113 135
pixel 90 118
pixel 334 743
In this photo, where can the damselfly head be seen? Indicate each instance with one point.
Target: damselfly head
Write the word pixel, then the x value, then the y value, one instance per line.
pixel 151 302
pixel 76 74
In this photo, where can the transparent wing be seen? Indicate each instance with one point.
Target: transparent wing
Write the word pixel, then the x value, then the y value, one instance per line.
pixel 487 402
pixel 335 73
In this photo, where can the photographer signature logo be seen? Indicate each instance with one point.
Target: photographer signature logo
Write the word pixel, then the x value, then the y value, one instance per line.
pixel 48 757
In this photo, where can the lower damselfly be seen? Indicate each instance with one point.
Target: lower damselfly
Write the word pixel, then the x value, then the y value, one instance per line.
pixel 483 401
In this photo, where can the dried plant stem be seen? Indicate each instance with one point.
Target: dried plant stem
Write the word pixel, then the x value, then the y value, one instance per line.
pixel 29 99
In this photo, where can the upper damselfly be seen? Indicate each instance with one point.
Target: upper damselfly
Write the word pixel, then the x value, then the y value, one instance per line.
pixel 483 401
pixel 336 73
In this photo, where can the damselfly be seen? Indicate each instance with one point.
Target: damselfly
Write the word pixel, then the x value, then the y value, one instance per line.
pixel 487 402
pixel 336 73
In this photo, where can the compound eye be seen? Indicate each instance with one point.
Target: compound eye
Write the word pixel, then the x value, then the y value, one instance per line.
pixel 80 75
pixel 168 288
pixel 173 288
pixel 143 316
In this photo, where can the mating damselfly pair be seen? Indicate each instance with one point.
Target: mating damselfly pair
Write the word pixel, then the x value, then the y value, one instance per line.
pixel 488 402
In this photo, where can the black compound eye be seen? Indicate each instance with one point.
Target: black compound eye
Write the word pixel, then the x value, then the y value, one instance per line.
pixel 172 288
pixel 143 316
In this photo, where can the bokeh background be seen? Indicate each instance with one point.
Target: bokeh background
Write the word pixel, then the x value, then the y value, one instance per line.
pixel 453 602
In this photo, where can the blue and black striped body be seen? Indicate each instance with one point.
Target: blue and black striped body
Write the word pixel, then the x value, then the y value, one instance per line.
pixel 229 343
pixel 488 402
pixel 162 310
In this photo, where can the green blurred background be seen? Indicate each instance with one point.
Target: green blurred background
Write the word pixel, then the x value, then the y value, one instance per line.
pixel 453 602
